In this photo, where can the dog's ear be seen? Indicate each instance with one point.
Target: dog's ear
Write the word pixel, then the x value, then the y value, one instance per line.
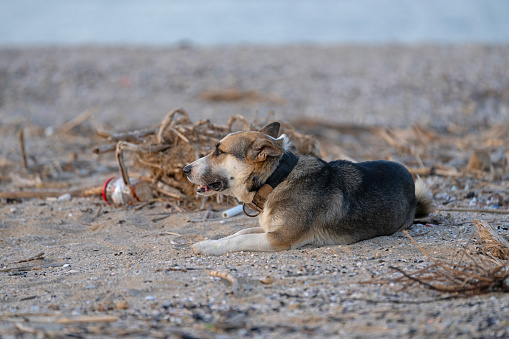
pixel 271 129
pixel 261 148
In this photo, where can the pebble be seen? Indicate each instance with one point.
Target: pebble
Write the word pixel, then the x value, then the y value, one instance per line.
pixel 122 305
pixel 90 287
pixel 49 131
pixel 267 280
pixel 64 197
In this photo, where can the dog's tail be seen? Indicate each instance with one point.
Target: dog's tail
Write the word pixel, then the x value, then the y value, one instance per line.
pixel 424 199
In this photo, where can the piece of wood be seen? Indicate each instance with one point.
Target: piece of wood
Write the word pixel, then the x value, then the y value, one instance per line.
pixel 85 192
pixel 33 267
pixel 87 320
pixel 473 210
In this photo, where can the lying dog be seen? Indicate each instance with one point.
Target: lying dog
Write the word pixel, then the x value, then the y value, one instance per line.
pixel 305 200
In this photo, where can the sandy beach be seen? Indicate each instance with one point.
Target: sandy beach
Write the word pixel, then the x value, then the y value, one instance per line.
pixel 79 267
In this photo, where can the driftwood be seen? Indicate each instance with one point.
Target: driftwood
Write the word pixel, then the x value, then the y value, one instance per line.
pixel 85 192
pixel 87 319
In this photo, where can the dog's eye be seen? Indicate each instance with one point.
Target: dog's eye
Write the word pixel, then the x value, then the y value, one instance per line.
pixel 218 152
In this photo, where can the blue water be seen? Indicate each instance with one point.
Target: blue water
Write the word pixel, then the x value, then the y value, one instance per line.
pixel 163 22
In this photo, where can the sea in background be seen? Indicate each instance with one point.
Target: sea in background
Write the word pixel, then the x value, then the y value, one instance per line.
pixel 227 22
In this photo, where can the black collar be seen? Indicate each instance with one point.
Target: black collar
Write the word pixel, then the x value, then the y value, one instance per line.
pixel 283 169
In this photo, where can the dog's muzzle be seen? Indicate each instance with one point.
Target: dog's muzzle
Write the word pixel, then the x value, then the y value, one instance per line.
pixel 215 186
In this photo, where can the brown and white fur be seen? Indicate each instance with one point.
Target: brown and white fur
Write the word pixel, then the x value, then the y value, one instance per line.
pixel 319 203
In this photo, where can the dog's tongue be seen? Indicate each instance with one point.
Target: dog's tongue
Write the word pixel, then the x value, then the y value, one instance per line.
pixel 202 189
pixel 216 186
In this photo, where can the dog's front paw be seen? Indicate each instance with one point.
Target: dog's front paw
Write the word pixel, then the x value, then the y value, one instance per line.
pixel 208 247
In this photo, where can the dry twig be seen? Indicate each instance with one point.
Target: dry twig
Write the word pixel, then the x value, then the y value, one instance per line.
pixel 461 278
pixel 87 320
pixel 29 268
pixel 491 243
pixel 228 277
pixel 21 140
pixel 473 210
pixel 39 256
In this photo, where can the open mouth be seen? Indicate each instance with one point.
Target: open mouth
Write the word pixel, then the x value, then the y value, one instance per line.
pixel 215 186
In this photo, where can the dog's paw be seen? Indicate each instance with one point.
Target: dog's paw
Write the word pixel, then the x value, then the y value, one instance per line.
pixel 208 247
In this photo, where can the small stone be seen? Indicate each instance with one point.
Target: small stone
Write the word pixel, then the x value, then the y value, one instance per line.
pixel 267 280
pixel 90 287
pixel 49 131
pixel 64 197
pixel 294 306
pixel 122 305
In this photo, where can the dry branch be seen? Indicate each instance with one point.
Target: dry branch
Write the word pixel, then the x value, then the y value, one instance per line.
pixel 87 320
pixel 33 267
pixel 21 140
pixel 471 278
pixel 473 210
pixel 39 256
pixel 85 192
pixel 491 243
pixel 78 120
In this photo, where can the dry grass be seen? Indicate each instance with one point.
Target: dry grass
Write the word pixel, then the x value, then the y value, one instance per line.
pixel 469 275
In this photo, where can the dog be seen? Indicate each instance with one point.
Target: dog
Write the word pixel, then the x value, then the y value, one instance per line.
pixel 305 200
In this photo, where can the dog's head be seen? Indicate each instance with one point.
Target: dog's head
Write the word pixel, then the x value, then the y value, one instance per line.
pixel 239 163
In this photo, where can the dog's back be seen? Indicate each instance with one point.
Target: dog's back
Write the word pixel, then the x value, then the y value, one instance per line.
pixel 343 202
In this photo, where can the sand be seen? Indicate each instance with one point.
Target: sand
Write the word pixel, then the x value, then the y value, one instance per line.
pixel 110 271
